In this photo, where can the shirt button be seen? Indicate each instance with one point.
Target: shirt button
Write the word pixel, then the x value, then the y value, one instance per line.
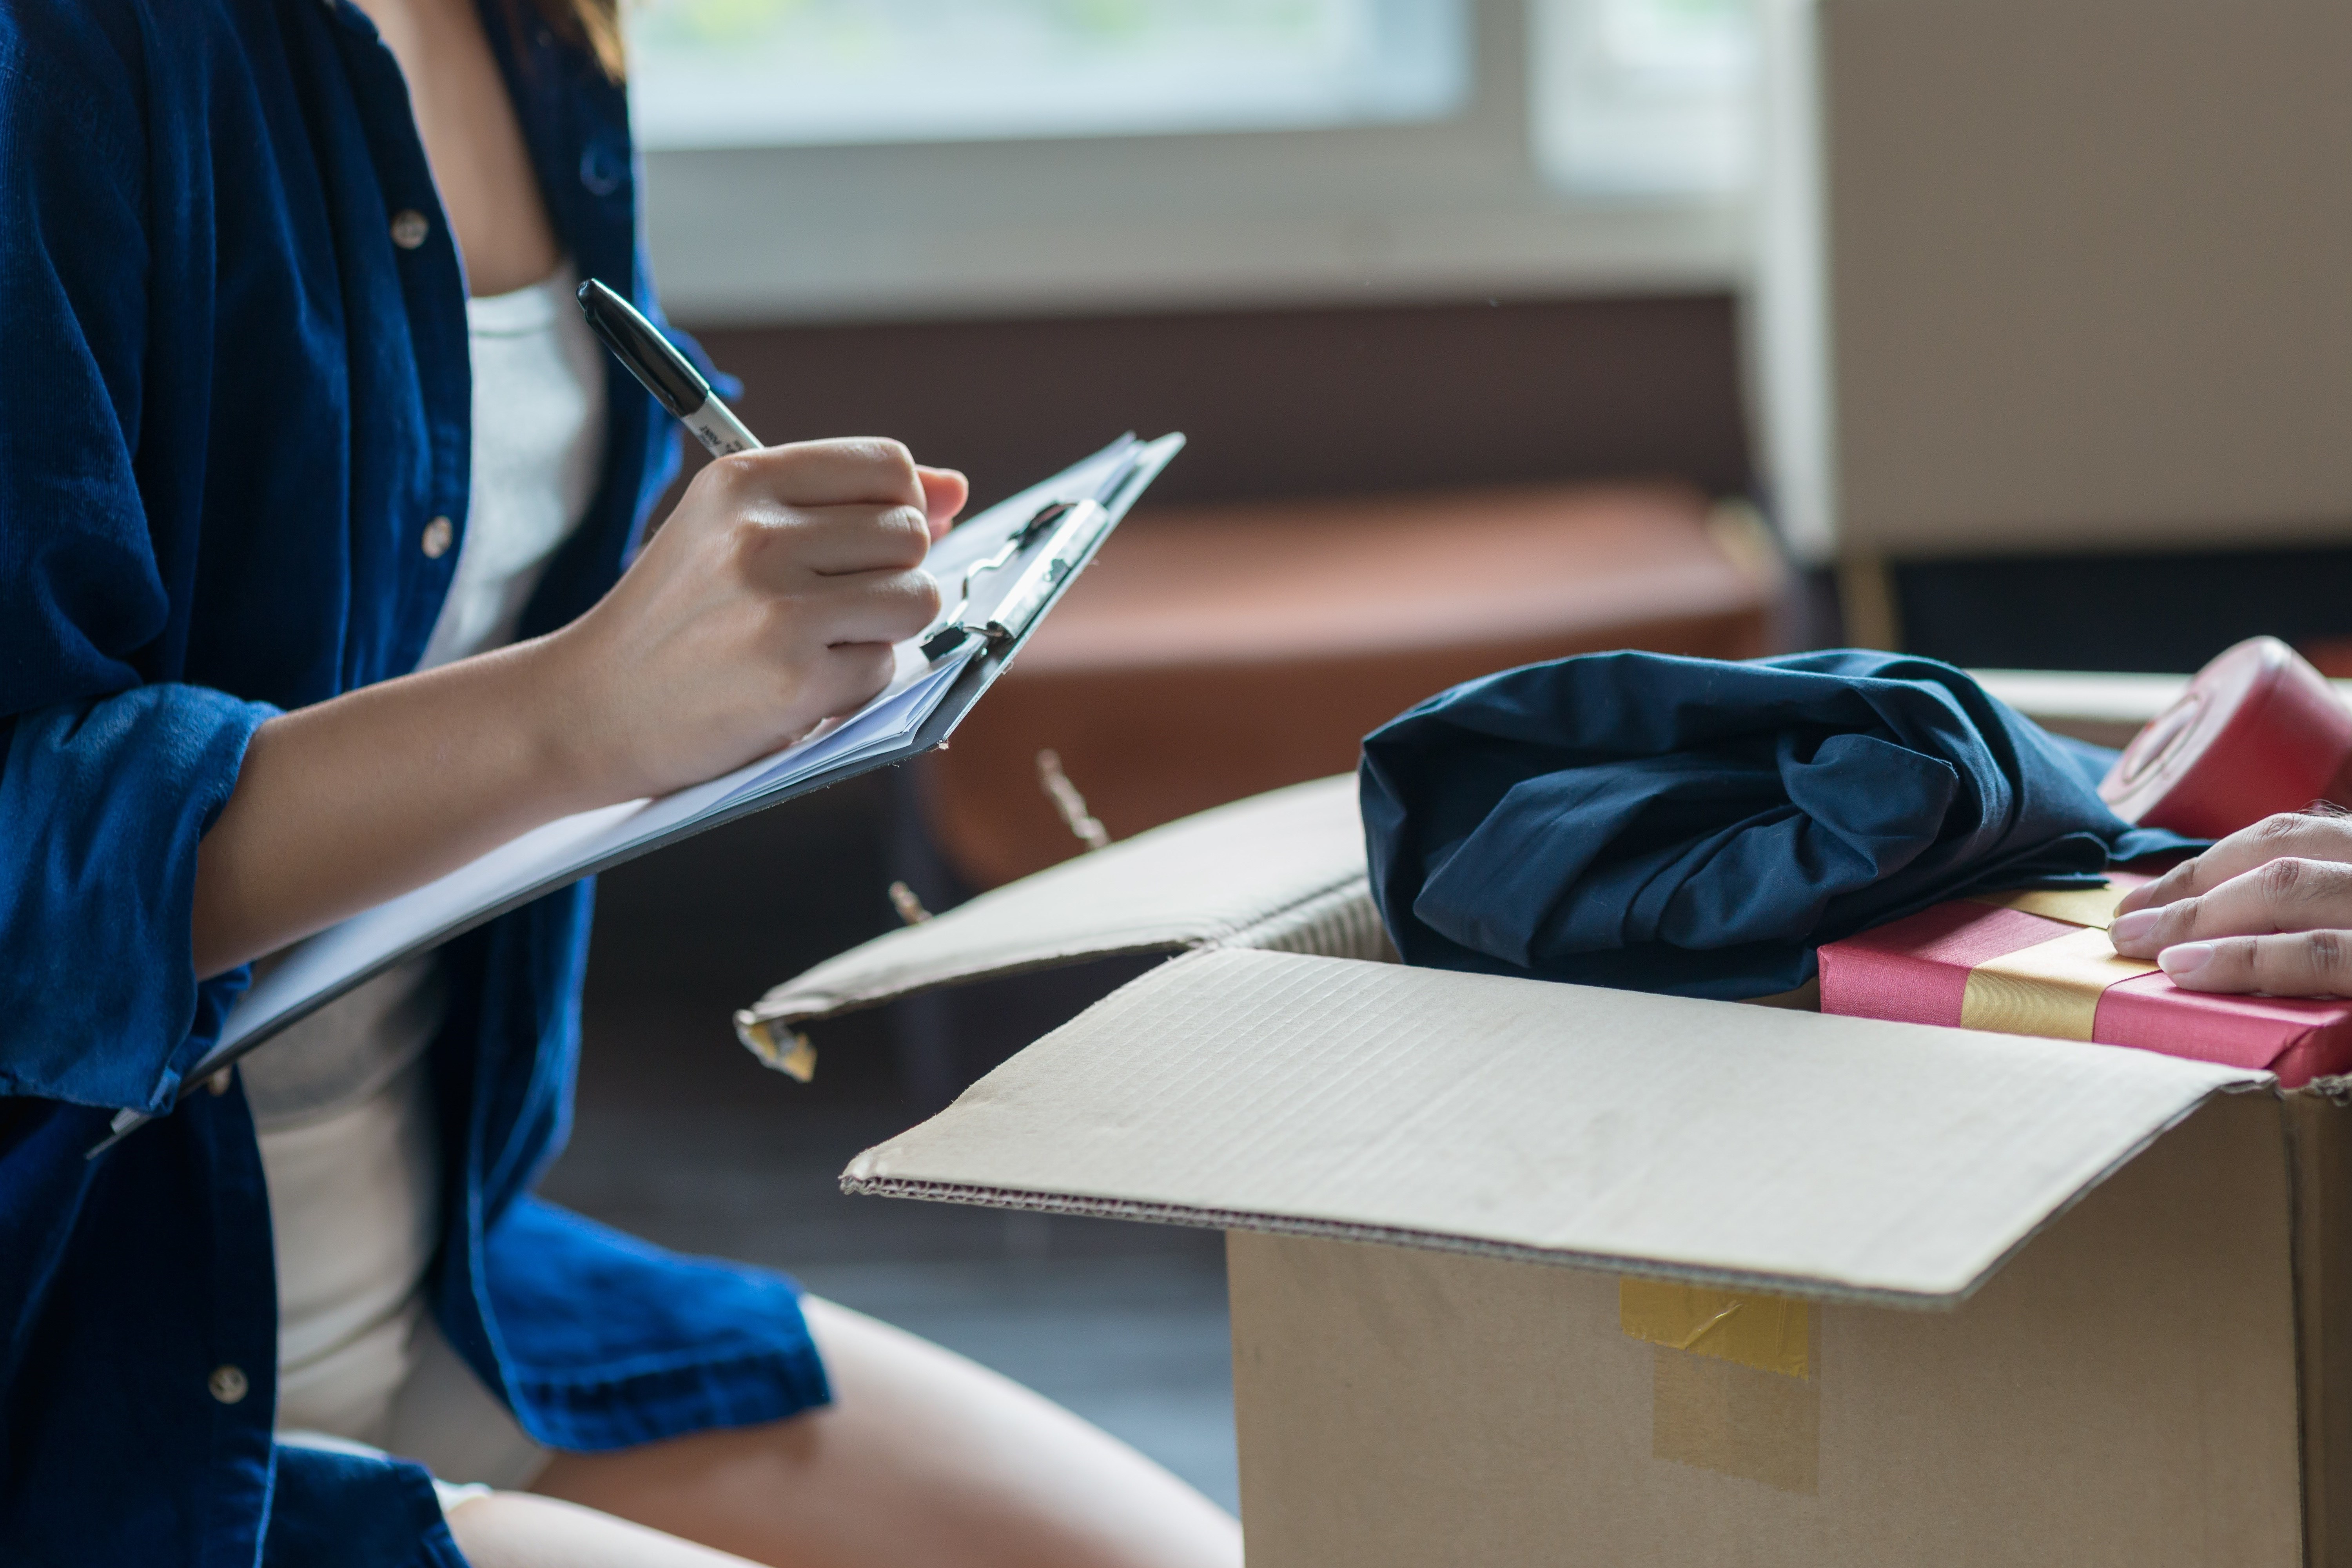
pixel 601 169
pixel 409 228
pixel 227 1383
pixel 438 535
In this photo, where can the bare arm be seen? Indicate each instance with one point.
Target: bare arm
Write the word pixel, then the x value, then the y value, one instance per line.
pixel 766 604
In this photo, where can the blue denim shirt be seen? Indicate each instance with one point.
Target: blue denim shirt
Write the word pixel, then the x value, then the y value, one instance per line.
pixel 229 405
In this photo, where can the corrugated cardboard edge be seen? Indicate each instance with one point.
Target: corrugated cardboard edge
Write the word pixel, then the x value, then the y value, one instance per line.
pixel 2319 1141
pixel 791 1004
pixel 1815 1290
pixel 1339 920
pixel 1342 921
pixel 1330 916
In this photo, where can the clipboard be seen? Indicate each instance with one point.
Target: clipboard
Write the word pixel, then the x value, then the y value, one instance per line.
pixel 1001 572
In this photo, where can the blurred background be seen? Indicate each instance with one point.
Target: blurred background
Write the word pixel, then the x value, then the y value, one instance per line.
pixel 2014 332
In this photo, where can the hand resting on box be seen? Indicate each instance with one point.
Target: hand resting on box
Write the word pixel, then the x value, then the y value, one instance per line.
pixel 2268 908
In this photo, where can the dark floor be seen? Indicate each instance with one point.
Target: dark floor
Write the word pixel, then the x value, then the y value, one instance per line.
pixel 682 1137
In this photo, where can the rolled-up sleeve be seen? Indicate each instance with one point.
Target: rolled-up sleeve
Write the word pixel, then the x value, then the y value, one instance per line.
pixel 112 776
pixel 102 803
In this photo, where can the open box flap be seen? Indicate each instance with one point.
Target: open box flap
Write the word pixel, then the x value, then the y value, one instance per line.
pixel 1282 870
pixel 1749 1146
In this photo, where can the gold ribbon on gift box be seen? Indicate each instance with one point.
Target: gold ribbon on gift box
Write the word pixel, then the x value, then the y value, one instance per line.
pixel 2054 987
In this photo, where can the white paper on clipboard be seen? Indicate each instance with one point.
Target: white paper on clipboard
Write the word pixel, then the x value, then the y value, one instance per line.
pixel 326 966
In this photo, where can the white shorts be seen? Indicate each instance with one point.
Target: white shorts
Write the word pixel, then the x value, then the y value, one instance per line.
pixel 444 1420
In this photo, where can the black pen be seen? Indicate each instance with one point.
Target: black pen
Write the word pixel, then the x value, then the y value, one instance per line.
pixel 676 384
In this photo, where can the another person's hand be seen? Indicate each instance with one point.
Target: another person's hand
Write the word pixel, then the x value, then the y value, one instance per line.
pixel 766 604
pixel 2268 908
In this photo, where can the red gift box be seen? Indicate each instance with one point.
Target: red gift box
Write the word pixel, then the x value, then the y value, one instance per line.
pixel 2040 963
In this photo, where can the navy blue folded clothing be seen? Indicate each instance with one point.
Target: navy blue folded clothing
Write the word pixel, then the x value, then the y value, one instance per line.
pixel 1699 827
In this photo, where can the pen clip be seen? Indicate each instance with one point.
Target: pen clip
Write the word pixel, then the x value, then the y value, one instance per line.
pixel 1076 533
pixel 1010 621
pixel 953 634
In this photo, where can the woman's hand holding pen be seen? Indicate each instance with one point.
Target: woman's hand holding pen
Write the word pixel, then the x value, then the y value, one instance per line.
pixel 766 604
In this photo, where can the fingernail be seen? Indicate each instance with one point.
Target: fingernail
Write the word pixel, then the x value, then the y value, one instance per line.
pixel 2187 958
pixel 2135 925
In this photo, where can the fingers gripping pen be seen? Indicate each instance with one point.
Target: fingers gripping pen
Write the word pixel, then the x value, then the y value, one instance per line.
pixel 676 384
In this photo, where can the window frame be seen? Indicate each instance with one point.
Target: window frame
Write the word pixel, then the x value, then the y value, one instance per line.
pixel 1438 211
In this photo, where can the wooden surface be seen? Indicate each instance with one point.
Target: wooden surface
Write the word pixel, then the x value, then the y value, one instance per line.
pixel 1279 403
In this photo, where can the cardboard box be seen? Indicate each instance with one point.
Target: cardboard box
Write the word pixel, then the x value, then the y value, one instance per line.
pixel 1492 1243
pixel 1526 1273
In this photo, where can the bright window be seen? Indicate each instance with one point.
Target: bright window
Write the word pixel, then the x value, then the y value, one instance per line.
pixel 779 73
pixel 1643 97
pixel 899 159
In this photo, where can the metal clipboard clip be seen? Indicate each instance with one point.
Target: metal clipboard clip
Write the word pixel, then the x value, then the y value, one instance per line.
pixel 1070 530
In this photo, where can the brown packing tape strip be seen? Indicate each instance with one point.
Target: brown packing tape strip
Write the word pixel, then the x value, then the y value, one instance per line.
pixel 1766 1332
pixel 1735 1421
pixel 1731 1388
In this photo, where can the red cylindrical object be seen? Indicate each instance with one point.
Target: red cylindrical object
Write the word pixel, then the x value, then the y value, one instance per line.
pixel 2259 731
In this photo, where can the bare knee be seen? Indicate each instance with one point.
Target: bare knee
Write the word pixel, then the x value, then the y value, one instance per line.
pixel 515 1529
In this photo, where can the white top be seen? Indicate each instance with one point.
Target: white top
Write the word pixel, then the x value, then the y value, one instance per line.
pixel 341 1099
pixel 539 448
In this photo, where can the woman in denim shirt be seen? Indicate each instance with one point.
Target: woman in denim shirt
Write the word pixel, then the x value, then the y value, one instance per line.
pixel 237 239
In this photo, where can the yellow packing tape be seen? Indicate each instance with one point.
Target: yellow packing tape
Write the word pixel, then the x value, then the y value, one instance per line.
pixel 1735 1421
pixel 2052 988
pixel 1768 1333
pixel 2076 906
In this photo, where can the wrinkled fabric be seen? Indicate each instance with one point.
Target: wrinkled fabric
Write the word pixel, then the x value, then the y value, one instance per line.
pixel 1699 827
pixel 232 407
